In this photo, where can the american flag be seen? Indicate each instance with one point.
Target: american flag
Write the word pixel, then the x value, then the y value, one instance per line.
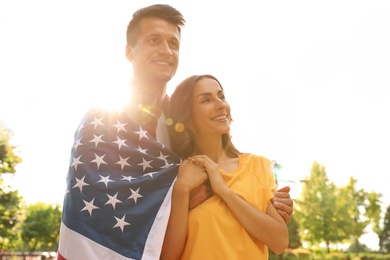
pixel 117 200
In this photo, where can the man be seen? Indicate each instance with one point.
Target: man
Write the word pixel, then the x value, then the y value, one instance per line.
pixel 119 182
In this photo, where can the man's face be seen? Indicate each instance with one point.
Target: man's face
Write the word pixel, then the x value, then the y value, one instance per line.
pixel 155 56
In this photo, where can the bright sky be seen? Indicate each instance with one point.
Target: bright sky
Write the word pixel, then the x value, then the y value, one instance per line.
pixel 306 80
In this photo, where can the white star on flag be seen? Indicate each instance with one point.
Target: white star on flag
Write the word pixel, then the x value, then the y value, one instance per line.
pixel 123 162
pixel 89 206
pixel 142 133
pixel 105 179
pixel 76 161
pixel 145 164
pixel 96 122
pixel 112 200
pixel 135 195
pixel 97 139
pixel 80 184
pixel 121 223
pixel 99 160
pixel 120 127
pixel 120 142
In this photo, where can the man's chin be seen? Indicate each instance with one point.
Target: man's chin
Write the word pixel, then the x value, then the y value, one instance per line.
pixel 167 77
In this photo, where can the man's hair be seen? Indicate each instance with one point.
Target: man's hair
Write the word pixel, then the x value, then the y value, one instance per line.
pixel 161 11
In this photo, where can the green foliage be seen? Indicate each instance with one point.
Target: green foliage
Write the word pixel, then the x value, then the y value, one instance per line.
pixel 10 217
pixel 362 248
pixel 332 215
pixel 362 208
pixel 316 209
pixel 293 233
pixel 10 201
pixel 384 234
pixel 320 254
pixel 8 159
pixel 40 231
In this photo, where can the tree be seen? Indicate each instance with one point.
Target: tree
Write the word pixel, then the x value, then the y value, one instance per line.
pixel 384 234
pixel 10 201
pixel 293 234
pixel 40 230
pixel 8 159
pixel 363 208
pixel 316 210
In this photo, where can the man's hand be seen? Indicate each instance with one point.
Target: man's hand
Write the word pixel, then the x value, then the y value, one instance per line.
pixel 200 194
pixel 283 203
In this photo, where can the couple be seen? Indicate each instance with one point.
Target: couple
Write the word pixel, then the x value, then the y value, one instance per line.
pixel 130 184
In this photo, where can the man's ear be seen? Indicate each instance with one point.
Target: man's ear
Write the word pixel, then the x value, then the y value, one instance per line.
pixel 129 52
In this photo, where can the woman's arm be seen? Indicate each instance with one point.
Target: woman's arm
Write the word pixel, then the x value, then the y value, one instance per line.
pixel 189 177
pixel 269 228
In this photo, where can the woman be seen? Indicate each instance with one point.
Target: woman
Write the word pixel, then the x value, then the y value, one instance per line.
pixel 239 220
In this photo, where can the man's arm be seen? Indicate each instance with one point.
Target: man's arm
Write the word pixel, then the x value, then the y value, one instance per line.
pixel 200 194
pixel 283 203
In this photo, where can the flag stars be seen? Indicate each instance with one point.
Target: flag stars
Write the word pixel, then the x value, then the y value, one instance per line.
pixel 121 223
pixel 145 164
pixel 163 157
pixel 166 165
pixel 77 143
pixel 120 127
pixel 105 180
pixel 120 142
pixel 142 133
pixel 97 139
pixel 112 200
pixel 123 162
pixel 80 184
pixel 128 178
pixel 99 160
pixel 150 174
pixel 76 162
pixel 135 195
pixel 89 206
pixel 96 122
pixel 142 150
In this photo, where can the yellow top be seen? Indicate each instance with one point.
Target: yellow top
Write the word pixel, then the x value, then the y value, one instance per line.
pixel 213 231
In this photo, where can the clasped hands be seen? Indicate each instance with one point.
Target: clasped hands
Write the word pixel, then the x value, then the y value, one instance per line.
pixel 196 176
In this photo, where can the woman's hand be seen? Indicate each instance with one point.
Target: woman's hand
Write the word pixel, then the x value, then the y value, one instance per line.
pixel 190 175
pixel 212 170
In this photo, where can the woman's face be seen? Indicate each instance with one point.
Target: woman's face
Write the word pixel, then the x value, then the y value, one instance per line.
pixel 210 111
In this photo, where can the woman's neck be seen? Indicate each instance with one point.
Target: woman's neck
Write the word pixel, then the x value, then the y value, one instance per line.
pixel 214 150
pixel 212 147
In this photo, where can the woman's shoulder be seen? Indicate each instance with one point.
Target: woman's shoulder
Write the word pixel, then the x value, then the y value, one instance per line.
pixel 254 157
pixel 258 164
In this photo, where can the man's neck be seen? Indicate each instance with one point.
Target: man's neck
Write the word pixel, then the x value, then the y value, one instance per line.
pixel 148 96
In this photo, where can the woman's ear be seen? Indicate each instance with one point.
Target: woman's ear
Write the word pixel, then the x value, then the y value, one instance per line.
pixel 129 53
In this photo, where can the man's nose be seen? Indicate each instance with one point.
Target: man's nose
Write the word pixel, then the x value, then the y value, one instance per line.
pixel 164 48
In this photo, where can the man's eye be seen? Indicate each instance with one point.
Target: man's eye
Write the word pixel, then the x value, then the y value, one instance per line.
pixel 153 40
pixel 174 45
